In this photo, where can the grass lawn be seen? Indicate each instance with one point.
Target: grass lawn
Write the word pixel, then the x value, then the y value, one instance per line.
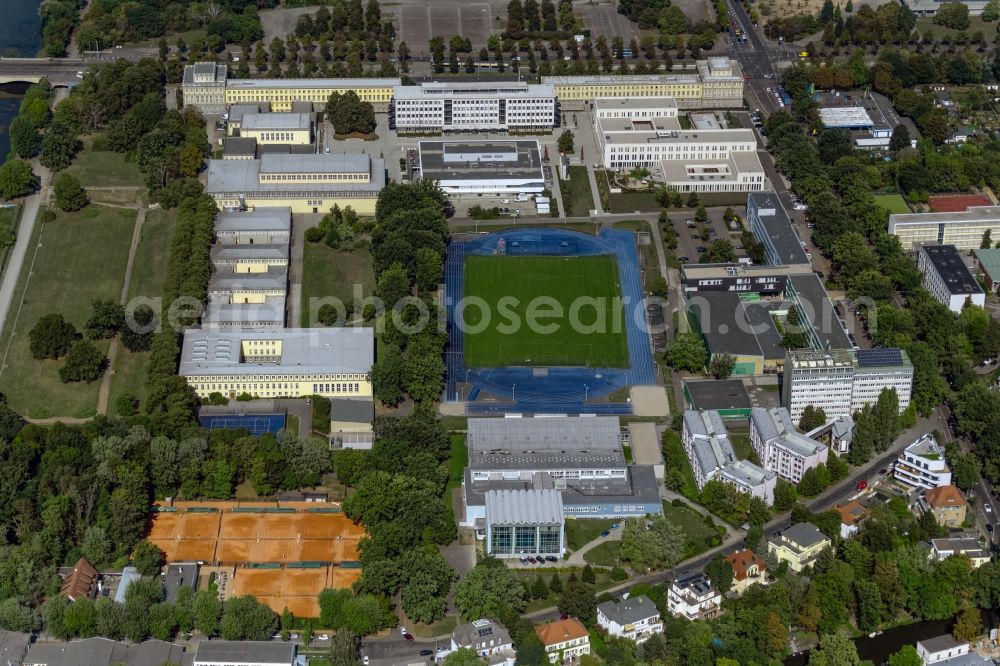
pixel 581 531
pixel 327 272
pixel 103 168
pixel 674 457
pixel 692 524
pixel 445 625
pixel 457 461
pixel 148 272
pixel 602 582
pixel 82 257
pixel 976 23
pixel 577 197
pixel 629 202
pixel 605 554
pixel 597 339
pixel 743 449
pixel 894 202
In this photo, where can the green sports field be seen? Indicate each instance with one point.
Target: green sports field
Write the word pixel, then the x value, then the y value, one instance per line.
pixel 893 202
pixel 507 339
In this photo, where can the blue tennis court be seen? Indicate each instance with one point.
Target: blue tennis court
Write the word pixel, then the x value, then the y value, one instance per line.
pixel 257 424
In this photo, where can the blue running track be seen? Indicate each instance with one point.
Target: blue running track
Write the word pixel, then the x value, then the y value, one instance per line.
pixel 559 389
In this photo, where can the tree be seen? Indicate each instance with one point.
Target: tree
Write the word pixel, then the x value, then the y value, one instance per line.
pixel 245 619
pixel 365 614
pixel 721 366
pixel 686 352
pixel 566 142
pixel 720 572
pixel 207 608
pixel 17 615
pixel 906 656
pixel 107 318
pixel 954 15
pixel 51 337
pixel 812 418
pixel 428 269
pixel 59 147
pixel 393 285
pixel 794 334
pixel 900 138
pixel 17 179
pixel 349 114
pixel 490 589
pixel 148 558
pixel 578 601
pixel 658 546
pixel 968 625
pixel 23 137
pixel 992 11
pixel 464 657
pixel 84 363
pixel 835 650
pixel 69 194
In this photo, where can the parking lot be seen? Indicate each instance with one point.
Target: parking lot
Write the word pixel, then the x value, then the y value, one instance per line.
pixel 417 22
pixel 689 239
pixel 605 20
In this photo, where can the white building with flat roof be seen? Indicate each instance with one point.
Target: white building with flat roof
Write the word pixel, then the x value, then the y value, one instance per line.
pixel 706 442
pixel 948 278
pixel 922 464
pixel 692 597
pixel 646 133
pixel 841 382
pixel 277 128
pixel 781 448
pixel 475 168
pixel 465 106
pixel 289 362
pixel 963 229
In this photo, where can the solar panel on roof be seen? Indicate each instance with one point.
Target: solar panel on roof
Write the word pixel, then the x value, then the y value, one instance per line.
pixel 876 357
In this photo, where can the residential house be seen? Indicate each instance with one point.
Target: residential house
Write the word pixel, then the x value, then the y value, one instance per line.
pixel 842 434
pixel 946 504
pixel 944 548
pixel 692 597
pixel 799 545
pixel 851 515
pixel 635 618
pixel 922 464
pixel 748 569
pixel 80 582
pixel 488 639
pixel 564 640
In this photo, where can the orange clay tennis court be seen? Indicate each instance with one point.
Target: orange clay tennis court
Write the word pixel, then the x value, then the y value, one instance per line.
pixel 295 589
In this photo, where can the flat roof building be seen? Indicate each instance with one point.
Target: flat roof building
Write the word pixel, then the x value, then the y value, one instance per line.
pixel 351 423
pixel 711 454
pixel 963 229
pixel 989 266
pixel 728 397
pixel 244 653
pixel 922 464
pixel 277 128
pixel 305 183
pixel 474 106
pixel 947 277
pixel 771 226
pixel 524 522
pixel 290 362
pixel 731 325
pixel 781 448
pixel 103 652
pixel 845 117
pixel 483 167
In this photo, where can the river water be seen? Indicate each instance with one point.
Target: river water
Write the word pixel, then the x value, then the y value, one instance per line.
pixel 20 36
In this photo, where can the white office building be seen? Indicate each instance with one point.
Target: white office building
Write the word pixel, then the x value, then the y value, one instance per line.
pixel 645 132
pixel 947 277
pixel 782 449
pixel 923 465
pixel 692 597
pixel 963 229
pixel 478 168
pixel 841 382
pixel 707 445
pixel 465 106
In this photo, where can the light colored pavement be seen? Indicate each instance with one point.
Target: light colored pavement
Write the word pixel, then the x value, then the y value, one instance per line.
pixel 594 192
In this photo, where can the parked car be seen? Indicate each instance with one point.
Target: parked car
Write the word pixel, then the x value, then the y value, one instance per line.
pixel 408 637
pixel 605 533
pixel 861 485
pixel 701 249
pixel 505 201
pixel 696 236
pixel 551 558
pixel 683 260
pixel 426 653
pixel 402 631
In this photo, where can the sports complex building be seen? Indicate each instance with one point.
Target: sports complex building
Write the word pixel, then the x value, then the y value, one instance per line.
pixel 564 370
pixel 522 470
pixel 476 168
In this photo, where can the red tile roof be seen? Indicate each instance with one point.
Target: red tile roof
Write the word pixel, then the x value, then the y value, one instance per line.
pixel 81 582
pixel 944 496
pixel 560 631
pixel 742 560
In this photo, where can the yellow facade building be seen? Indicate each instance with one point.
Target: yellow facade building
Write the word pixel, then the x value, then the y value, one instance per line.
pixel 799 545
pixel 294 129
pixel 290 362
pixel 280 93
pixel 310 183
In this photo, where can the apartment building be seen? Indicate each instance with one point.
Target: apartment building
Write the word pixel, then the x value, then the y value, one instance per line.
pixel 947 277
pixel 799 545
pixel 714 83
pixel 922 464
pixel 946 504
pixel 692 597
pixel 635 618
pixel 707 445
pixel 290 362
pixel 782 449
pixel 310 183
pixel 963 229
pixel 564 640
pixel 841 382
pixel 474 106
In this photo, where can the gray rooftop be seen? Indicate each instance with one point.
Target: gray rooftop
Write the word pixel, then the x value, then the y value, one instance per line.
pixel 527 443
pixel 129 576
pixel 711 445
pixel 432 89
pixel 223 253
pixel 227 282
pixel 746 473
pixel 271 311
pixel 276 121
pixel 641 487
pixel 13 645
pixel 607 80
pixel 664 129
pixel 239 146
pixel 730 324
pixel 818 309
pixel 241 176
pixel 481 632
pixel 104 652
pixel 697 584
pixel 629 611
pixel 480 160
pixel 776 424
pixel 778 227
pixel 805 535
pixel 303 350
pixel 351 410
pixel 718 394
pixel 949 265
pixel 237 111
pixel 255 652
pixel 976 214
pixel 524 507
pixel 967 546
pixel 310 84
pixel 260 219
pixel 179 575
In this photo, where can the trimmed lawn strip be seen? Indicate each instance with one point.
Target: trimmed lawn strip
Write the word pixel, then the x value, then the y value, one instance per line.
pixel 576 193
pixel 743 449
pixel 693 525
pixel 605 555
pixel 82 257
pixel 581 531
pixel 103 168
pixel 327 272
